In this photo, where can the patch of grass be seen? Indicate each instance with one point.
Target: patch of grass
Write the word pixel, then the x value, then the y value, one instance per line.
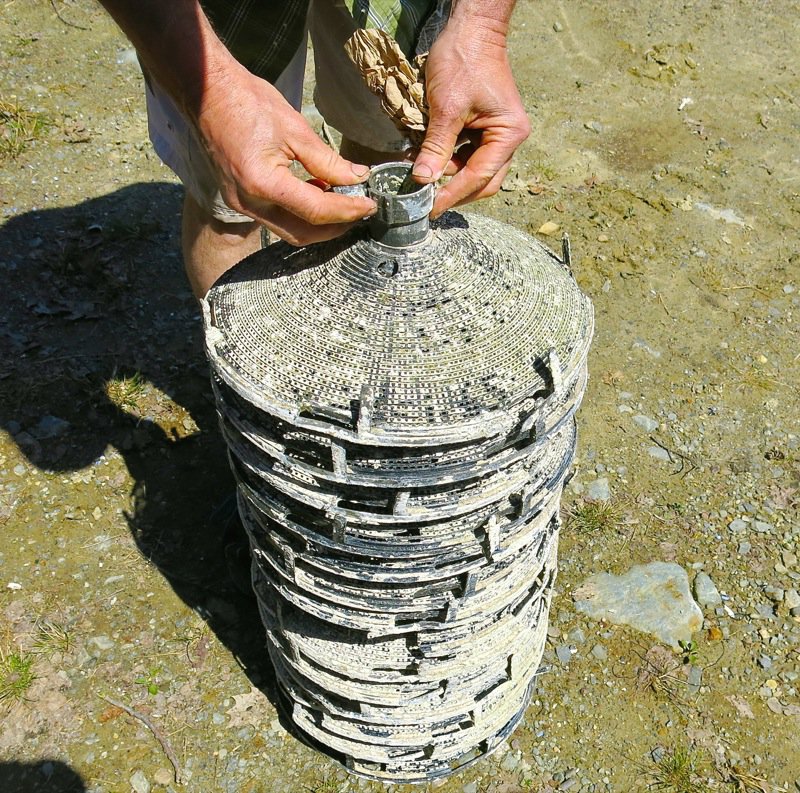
pixel 593 517
pixel 127 392
pixel 52 638
pixel 18 127
pixel 330 785
pixel 677 771
pixel 19 46
pixel 545 170
pixel 16 676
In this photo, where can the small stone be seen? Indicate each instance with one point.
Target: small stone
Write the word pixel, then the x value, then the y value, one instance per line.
pixel 97 513
pixel 773 703
pixel 564 653
pixel 102 642
pixel 659 454
pixel 795 612
pixel 705 591
pixel 645 422
pixel 470 787
pixel 738 525
pixel 774 593
pixel 139 782
pixel 744 548
pixel 577 636
pixel 510 761
pixel 763 527
pixel 789 559
pixel 548 228
pixel 50 427
pixel 599 652
pixel 641 344
pixel 765 662
pixel 558 27
pixel 163 777
pixel 694 679
pixel 792 599
pixel 599 490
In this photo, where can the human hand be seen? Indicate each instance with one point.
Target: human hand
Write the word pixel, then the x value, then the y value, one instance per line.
pixel 471 95
pixel 253 135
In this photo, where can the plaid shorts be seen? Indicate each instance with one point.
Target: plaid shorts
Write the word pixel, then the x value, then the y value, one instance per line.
pixel 270 39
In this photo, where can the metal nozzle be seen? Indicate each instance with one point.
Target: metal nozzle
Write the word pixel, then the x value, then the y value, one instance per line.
pixel 403 205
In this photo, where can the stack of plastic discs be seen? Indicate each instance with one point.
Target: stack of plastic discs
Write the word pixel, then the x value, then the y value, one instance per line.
pixel 400 422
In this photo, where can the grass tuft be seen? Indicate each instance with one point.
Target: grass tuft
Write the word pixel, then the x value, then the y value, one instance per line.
pixel 127 392
pixel 16 676
pixel 52 638
pixel 677 772
pixel 18 127
pixel 593 517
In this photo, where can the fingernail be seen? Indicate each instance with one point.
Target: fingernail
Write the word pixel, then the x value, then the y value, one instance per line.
pixel 422 171
pixel 359 170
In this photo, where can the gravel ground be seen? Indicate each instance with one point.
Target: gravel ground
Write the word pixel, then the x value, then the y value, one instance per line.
pixel 665 142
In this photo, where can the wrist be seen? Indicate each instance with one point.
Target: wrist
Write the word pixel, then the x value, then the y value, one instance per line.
pixel 490 18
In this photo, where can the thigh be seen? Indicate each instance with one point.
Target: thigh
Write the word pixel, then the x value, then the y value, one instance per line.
pixel 340 94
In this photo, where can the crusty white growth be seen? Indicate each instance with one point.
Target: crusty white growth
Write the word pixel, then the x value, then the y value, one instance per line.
pixel 401 423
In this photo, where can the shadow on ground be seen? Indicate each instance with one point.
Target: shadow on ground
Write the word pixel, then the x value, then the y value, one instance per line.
pixel 95 294
pixel 46 776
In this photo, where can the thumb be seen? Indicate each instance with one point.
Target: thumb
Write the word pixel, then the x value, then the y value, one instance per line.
pixel 322 161
pixel 437 148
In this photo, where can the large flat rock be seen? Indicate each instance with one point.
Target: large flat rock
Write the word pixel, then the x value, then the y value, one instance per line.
pixel 653 598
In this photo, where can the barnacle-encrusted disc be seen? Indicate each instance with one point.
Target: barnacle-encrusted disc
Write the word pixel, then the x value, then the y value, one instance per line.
pixel 400 422
pixel 446 338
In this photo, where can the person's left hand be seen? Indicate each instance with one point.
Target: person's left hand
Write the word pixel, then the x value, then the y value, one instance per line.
pixel 472 95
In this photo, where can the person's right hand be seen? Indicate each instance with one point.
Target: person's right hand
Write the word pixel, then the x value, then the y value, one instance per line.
pixel 253 135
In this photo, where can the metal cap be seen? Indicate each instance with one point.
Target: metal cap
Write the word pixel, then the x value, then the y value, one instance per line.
pixel 403 205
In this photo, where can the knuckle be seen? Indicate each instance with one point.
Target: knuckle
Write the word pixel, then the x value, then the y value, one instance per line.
pixel 437 145
pixel 523 128
pixel 490 190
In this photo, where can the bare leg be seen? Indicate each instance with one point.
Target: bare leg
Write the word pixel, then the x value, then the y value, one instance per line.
pixel 210 247
pixel 355 152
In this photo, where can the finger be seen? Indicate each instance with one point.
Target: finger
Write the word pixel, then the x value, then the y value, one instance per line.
pixel 322 161
pixel 309 203
pixel 460 158
pixel 295 231
pixel 450 195
pixel 489 159
pixel 437 148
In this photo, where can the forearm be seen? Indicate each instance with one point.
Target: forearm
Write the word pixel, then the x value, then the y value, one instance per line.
pixel 177 45
pixel 491 17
